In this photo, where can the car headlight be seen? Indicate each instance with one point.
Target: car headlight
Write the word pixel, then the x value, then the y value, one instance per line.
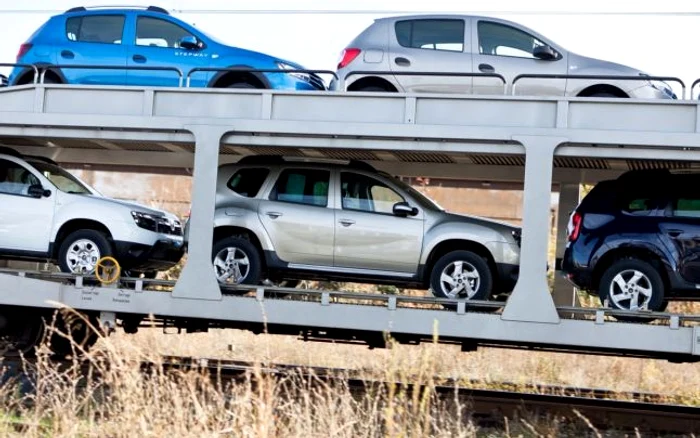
pixel 661 86
pixel 145 220
pixel 303 76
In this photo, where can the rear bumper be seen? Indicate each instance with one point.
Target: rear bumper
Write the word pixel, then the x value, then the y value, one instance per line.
pixel 162 255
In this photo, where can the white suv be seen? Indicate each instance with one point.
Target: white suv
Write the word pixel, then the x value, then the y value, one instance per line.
pixel 47 214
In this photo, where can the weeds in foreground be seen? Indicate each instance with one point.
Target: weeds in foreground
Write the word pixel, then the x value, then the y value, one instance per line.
pixel 109 393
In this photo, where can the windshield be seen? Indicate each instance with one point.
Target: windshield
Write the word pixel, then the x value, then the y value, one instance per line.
pixel 63 180
pixel 423 200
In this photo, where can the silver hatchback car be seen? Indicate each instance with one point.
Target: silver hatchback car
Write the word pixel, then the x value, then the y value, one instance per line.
pixel 475 44
pixel 284 220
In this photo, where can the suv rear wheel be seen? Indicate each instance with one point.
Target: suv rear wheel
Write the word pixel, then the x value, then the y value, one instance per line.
pixel 81 250
pixel 460 275
pixel 632 284
pixel 236 261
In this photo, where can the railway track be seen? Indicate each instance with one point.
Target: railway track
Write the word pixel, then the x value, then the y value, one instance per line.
pixel 489 402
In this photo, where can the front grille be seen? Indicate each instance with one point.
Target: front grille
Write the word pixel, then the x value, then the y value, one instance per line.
pixel 166 226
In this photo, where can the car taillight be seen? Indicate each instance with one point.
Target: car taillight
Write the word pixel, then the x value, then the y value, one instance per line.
pixel 23 49
pixel 575 226
pixel 348 56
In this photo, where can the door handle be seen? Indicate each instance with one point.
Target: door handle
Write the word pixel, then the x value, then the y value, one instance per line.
pixel 67 54
pixel 346 222
pixel 139 58
pixel 402 61
pixel 273 214
pixel 674 233
pixel 486 68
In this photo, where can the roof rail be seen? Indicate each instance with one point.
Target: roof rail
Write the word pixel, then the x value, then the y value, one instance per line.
pixel 279 159
pixel 40 158
pixel 147 8
pixel 9 151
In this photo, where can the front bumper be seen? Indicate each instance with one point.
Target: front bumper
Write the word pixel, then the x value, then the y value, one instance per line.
pixel 162 255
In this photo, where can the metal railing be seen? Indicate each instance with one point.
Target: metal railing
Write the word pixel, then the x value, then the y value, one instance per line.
pixel 253 70
pixel 30 66
pixel 429 73
pixel 601 77
pixel 184 80
pixel 47 68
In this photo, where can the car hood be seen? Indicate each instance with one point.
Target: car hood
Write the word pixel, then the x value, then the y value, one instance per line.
pixel 131 205
pixel 579 62
pixel 466 218
pixel 258 56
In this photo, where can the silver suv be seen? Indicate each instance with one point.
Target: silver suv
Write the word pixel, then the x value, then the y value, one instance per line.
pixel 475 44
pixel 47 214
pixel 282 219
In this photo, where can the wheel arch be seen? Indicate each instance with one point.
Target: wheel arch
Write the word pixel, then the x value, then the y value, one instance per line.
pixel 647 254
pixel 74 225
pixel 223 79
pixel 602 88
pixel 372 81
pixel 224 231
pixel 446 246
pixel 26 76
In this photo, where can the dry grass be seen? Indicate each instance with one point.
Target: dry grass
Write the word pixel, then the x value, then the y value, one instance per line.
pixel 116 399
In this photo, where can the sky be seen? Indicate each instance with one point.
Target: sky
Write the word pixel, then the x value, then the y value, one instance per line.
pixel 659 38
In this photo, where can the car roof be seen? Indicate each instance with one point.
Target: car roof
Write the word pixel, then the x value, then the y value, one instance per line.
pixel 101 9
pixel 277 160
pixel 443 16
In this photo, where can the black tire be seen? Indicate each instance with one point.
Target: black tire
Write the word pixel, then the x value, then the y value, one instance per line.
pixel 373 88
pixel 242 85
pixel 95 237
pixel 253 274
pixel 51 80
pixel 603 95
pixel 627 267
pixel 478 264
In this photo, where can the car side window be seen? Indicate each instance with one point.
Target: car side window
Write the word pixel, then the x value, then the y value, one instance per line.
pixel 431 34
pixel 102 29
pixel 502 40
pixel 363 193
pixel 15 179
pixel 156 32
pixel 302 186
pixel 686 206
pixel 247 182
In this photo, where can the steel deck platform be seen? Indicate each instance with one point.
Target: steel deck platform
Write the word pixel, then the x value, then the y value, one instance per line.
pixel 442 130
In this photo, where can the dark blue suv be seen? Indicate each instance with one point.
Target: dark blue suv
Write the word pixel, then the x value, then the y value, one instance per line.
pixel 635 241
pixel 148 37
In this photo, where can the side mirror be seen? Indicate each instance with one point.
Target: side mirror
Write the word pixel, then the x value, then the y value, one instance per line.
pixel 403 209
pixel 37 191
pixel 189 42
pixel 544 53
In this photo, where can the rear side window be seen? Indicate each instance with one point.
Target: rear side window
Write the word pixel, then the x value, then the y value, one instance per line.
pixel 443 34
pixel 103 29
pixel 247 182
pixel 688 206
pixel 302 186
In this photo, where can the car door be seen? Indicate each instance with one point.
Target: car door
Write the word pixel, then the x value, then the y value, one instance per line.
pixel 161 42
pixel 298 216
pixel 368 235
pixel 95 39
pixel 25 221
pixel 510 51
pixel 681 228
pixel 431 45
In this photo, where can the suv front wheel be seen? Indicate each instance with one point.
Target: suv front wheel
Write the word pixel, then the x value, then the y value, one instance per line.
pixel 236 261
pixel 461 275
pixel 81 250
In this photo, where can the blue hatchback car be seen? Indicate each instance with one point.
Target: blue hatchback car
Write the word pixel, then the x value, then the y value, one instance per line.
pixel 145 38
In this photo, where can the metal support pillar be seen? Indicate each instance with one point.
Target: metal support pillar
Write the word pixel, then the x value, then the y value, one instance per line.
pixel 564 294
pixel 197 280
pixel 531 300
